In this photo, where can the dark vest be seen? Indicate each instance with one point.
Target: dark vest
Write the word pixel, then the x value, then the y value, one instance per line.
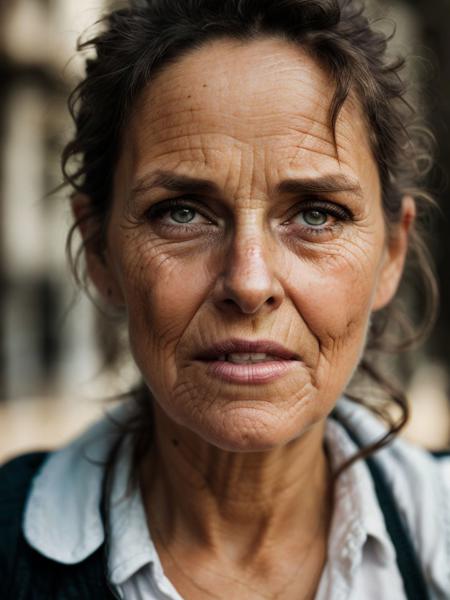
pixel 24 573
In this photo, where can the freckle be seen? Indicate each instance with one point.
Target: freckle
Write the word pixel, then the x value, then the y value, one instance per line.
pixel 189 96
pixel 204 85
pixel 175 443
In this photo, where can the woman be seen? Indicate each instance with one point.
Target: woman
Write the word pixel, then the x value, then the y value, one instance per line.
pixel 245 194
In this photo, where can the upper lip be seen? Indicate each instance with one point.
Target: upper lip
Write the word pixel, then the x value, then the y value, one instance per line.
pixel 237 346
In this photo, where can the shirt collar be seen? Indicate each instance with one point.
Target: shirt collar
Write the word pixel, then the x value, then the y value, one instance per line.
pixel 130 546
pixel 63 521
pixel 62 518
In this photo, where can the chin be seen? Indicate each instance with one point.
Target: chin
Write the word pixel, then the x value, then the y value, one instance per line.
pixel 249 430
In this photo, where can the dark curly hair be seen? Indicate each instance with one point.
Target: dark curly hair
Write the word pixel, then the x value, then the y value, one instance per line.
pixel 147 35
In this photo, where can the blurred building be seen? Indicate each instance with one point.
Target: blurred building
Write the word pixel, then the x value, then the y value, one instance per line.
pixel 46 333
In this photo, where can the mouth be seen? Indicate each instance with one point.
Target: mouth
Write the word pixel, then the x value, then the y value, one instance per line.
pixel 247 352
pixel 248 362
pixel 244 358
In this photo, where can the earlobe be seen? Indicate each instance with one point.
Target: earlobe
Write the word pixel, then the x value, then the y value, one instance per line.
pixel 394 256
pixel 98 265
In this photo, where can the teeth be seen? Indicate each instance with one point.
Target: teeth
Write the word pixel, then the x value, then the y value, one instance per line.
pixel 248 358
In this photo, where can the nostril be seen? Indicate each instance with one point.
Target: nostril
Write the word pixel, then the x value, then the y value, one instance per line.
pixel 249 306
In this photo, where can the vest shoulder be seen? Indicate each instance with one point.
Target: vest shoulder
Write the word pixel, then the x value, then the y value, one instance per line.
pixel 24 573
pixel 15 479
pixel 16 475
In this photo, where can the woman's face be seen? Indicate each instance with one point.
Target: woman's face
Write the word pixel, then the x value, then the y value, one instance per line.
pixel 235 221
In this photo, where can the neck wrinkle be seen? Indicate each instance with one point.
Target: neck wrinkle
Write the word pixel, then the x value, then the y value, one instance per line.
pixel 235 503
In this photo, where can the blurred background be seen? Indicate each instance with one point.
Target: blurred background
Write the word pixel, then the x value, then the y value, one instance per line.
pixel 55 369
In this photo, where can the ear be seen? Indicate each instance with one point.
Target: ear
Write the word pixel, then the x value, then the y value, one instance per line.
pixel 394 257
pixel 95 249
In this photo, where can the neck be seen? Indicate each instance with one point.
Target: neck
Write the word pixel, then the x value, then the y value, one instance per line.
pixel 235 504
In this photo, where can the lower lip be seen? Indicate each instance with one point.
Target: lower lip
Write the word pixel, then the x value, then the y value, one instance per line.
pixel 250 373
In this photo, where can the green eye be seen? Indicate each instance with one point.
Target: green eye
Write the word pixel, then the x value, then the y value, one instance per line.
pixel 315 218
pixel 182 215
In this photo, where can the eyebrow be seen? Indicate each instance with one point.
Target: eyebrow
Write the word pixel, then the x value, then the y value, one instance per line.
pixel 173 182
pixel 324 184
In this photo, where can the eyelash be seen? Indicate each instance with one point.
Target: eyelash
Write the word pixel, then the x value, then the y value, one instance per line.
pixel 340 213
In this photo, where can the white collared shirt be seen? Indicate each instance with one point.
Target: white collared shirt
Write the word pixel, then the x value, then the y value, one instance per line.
pixel 361 562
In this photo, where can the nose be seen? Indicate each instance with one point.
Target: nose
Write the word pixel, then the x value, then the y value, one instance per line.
pixel 248 283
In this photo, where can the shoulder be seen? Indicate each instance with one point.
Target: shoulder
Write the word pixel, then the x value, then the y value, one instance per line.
pixel 420 483
pixel 71 477
pixel 16 474
pixel 419 480
pixel 24 572
pixel 51 526
pixel 15 480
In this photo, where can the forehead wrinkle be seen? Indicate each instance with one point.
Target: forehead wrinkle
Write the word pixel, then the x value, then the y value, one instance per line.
pixel 195 132
pixel 329 152
pixel 211 106
pixel 180 123
pixel 182 116
pixel 212 123
pixel 182 126
pixel 168 89
pixel 205 143
pixel 308 140
pixel 342 153
pixel 161 108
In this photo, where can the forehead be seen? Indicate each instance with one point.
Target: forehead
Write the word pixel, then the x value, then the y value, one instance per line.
pixel 259 106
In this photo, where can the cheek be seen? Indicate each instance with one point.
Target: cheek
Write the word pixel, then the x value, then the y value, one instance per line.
pixel 333 301
pixel 334 295
pixel 342 280
pixel 163 293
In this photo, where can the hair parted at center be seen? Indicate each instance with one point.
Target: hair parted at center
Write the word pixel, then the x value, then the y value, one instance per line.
pixel 138 41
